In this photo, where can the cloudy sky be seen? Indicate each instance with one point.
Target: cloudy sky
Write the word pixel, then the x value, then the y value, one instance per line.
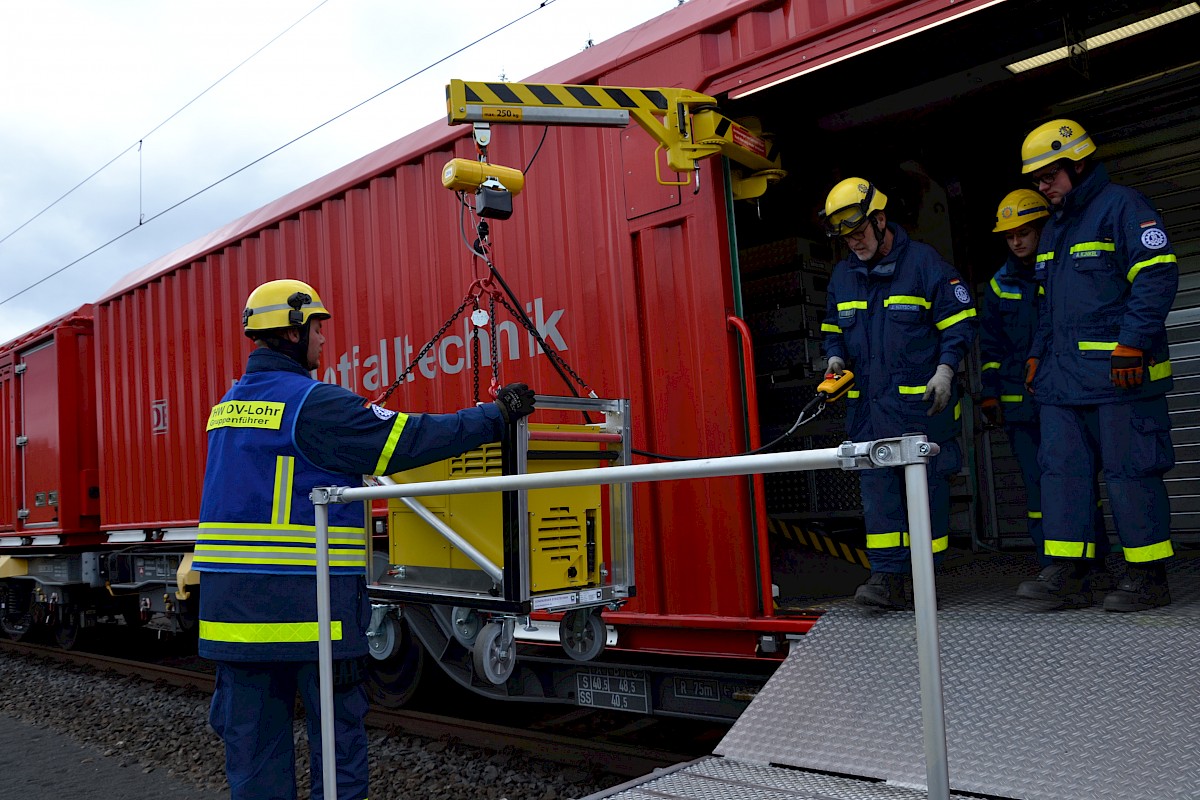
pixel 83 82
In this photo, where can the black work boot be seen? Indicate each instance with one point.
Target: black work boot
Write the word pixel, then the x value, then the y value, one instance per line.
pixel 1144 586
pixel 1101 579
pixel 883 591
pixel 1063 584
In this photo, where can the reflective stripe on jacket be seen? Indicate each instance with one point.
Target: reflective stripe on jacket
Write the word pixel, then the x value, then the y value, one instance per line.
pixel 256 515
pixel 1008 310
pixel 1110 276
pixel 893 325
pixel 257 544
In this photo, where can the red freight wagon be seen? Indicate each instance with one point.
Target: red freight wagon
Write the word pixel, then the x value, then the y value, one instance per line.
pixel 642 287
pixel 634 282
pixel 637 306
pixel 48 426
pixel 51 504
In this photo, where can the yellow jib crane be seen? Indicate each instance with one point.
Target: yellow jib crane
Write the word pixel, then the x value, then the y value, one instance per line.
pixel 685 124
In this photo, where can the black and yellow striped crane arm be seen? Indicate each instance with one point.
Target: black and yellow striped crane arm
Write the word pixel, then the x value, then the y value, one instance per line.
pixel 685 124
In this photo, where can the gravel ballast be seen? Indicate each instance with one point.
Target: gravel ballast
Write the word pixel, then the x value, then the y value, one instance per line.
pixel 148 732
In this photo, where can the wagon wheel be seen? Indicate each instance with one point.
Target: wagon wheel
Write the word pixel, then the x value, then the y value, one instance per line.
pixel 397 666
pixel 582 634
pixel 14 621
pixel 130 614
pixel 16 627
pixel 68 632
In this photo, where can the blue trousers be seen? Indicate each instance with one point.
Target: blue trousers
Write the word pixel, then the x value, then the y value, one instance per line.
pixel 253 710
pixel 885 516
pixel 1133 443
pixel 1025 438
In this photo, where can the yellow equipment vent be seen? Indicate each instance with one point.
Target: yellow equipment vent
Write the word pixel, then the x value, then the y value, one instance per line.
pixel 476 463
pixel 565 524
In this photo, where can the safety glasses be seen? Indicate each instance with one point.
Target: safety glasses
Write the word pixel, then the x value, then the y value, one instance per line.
pixel 846 219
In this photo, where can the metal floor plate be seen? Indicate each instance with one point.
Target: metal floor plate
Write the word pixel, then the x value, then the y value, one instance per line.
pixel 726 779
pixel 1039 705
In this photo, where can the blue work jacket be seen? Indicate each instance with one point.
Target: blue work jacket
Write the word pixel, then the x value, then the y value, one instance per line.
pixel 1008 319
pixel 1110 276
pixel 275 436
pixel 893 323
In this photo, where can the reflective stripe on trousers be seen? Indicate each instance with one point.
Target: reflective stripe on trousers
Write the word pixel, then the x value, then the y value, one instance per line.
pixel 884 510
pixel 1133 443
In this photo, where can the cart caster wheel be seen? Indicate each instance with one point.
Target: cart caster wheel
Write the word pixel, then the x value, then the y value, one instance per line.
pixel 582 634
pixel 465 624
pixel 495 652
pixel 383 639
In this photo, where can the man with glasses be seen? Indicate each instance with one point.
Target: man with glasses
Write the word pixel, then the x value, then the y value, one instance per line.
pixel 1101 369
pixel 901 319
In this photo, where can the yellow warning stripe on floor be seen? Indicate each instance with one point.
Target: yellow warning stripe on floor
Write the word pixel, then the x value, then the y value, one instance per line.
pixel 818 542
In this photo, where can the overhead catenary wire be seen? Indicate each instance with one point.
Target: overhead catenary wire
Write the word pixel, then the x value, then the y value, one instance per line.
pixel 144 136
pixel 142 222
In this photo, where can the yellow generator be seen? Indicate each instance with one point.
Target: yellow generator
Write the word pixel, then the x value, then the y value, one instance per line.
pixel 566 525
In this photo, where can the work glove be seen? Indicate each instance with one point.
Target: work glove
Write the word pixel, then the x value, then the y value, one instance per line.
pixel 1126 367
pixel 993 414
pixel 836 367
pixel 937 390
pixel 1031 365
pixel 515 401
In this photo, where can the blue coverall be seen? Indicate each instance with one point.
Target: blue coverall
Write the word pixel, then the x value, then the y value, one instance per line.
pixel 273 437
pixel 1008 319
pixel 893 323
pixel 1110 277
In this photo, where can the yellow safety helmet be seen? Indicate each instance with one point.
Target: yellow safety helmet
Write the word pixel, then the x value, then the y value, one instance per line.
pixel 281 304
pixel 849 204
pixel 1059 138
pixel 1019 208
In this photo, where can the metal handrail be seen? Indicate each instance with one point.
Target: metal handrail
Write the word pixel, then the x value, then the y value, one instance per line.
pixel 908 452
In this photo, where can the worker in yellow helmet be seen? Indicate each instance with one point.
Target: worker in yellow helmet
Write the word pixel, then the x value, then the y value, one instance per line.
pixel 902 320
pixel 276 435
pixel 1101 369
pixel 1008 318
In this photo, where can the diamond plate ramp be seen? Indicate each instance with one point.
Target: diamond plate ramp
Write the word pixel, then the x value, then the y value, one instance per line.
pixel 726 779
pixel 1039 706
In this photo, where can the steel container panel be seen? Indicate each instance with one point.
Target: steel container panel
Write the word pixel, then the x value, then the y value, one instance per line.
pixel 8 448
pixel 629 280
pixel 48 427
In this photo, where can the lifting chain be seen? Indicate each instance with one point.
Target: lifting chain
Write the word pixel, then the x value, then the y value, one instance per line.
pixel 552 354
pixel 477 288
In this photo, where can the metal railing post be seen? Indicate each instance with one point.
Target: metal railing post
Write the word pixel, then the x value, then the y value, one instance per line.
pixel 920 535
pixel 325 655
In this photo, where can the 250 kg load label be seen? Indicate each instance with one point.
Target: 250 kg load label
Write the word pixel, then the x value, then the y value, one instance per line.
pixel 246 414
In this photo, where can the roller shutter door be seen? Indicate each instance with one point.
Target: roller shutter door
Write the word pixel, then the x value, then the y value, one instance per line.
pixel 1149 137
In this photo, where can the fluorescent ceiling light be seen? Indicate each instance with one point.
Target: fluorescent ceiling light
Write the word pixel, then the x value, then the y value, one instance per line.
pixel 740 93
pixel 1093 42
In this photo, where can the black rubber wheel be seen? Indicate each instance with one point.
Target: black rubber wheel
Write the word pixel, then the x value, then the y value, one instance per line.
pixel 582 634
